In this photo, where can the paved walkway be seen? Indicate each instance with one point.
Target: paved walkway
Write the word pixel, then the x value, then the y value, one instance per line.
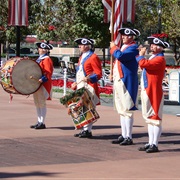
pixel 54 153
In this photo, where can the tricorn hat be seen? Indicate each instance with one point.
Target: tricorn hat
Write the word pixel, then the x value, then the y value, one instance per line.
pixel 157 41
pixel 129 32
pixel 84 41
pixel 44 45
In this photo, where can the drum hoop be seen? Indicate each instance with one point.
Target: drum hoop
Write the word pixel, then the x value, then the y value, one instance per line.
pixel 21 59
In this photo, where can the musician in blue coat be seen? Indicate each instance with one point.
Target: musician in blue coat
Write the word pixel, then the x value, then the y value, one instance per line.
pixel 125 78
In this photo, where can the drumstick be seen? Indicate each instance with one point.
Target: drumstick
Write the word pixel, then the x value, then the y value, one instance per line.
pixel 79 82
pixel 82 79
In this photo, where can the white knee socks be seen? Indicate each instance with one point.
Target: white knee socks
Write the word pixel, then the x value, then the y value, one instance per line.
pixel 41 112
pixel 123 126
pixel 157 134
pixel 88 127
pixel 154 133
pixel 129 125
pixel 126 126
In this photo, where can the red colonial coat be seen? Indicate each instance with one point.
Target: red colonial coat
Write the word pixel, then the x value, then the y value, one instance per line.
pixel 153 74
pixel 47 68
pixel 92 66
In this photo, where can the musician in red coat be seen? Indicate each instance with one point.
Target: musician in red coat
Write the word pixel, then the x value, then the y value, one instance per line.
pixel 88 72
pixel 152 97
pixel 44 93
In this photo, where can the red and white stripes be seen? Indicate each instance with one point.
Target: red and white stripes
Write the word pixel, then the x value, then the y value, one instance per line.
pixel 18 13
pixel 118 19
pixel 107 10
pixel 124 11
pixel 129 11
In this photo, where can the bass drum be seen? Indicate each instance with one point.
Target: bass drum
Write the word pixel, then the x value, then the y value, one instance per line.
pixel 20 76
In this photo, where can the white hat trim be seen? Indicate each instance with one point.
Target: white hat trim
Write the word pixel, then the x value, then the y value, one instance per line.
pixel 44 45
pixel 84 41
pixel 127 31
pixel 156 41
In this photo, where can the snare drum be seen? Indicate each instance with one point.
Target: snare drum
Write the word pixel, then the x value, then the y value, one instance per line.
pixel 81 108
pixel 21 76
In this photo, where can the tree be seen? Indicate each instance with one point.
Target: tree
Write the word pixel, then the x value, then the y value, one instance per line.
pixel 147 21
pixel 71 19
pixel 171 23
pixel 3 26
pixel 45 20
pixel 146 18
pixel 3 20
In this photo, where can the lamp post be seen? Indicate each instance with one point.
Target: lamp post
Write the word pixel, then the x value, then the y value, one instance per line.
pixel 159 11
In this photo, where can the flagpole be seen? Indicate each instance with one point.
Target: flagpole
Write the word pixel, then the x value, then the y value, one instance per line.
pixel 112 35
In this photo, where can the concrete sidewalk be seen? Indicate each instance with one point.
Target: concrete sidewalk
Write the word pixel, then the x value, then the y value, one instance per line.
pixel 54 153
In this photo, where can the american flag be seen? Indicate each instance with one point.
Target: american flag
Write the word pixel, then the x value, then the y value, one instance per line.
pixel 124 11
pixel 18 12
pixel 107 10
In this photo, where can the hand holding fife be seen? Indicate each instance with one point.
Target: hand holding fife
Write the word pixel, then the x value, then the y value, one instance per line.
pixel 142 50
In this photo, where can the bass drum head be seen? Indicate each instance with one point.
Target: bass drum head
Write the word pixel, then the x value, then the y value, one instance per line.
pixel 25 76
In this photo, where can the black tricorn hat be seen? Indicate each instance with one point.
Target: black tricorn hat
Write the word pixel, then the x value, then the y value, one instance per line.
pixel 44 45
pixel 84 41
pixel 157 41
pixel 129 32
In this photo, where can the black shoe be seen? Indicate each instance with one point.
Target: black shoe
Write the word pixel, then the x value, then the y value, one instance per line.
pixel 40 126
pixel 78 134
pixel 153 148
pixel 33 126
pixel 118 141
pixel 85 134
pixel 127 141
pixel 144 148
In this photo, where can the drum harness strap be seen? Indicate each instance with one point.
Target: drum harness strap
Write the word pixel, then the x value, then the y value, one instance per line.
pixel 10 98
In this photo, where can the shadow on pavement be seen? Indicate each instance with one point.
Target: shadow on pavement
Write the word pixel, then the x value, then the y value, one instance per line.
pixel 35 173
pixel 94 127
pixel 171 150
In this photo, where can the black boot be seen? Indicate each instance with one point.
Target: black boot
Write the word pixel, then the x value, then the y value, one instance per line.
pixel 33 126
pixel 40 126
pixel 153 148
pixel 127 141
pixel 85 134
pixel 78 134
